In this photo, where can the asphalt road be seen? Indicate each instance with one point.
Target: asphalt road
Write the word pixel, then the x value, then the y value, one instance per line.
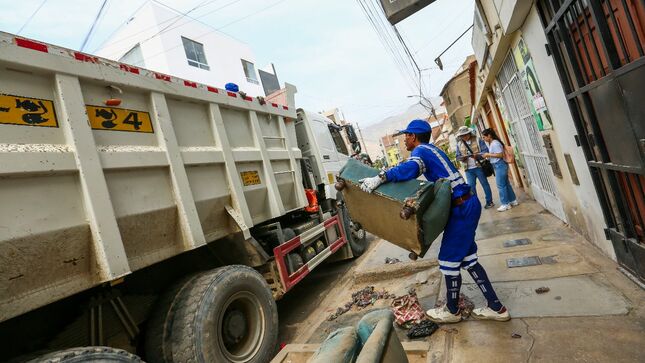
pixel 299 303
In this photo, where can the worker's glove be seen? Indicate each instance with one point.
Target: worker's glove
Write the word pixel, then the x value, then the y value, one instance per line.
pixel 369 184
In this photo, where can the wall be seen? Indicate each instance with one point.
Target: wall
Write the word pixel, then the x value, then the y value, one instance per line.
pixel 165 52
pixel 580 203
pixel 459 86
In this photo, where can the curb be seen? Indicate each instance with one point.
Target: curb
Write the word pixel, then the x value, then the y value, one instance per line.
pixel 387 271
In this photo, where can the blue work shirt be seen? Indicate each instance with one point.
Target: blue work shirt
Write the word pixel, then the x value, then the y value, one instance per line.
pixel 434 164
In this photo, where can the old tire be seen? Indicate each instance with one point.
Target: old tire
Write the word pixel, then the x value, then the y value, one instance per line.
pixel 226 315
pixel 159 324
pixel 88 354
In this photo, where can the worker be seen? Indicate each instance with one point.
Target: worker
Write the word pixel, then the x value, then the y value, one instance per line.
pixel 469 152
pixel 458 248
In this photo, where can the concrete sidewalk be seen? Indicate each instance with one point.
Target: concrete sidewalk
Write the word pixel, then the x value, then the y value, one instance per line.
pixel 591 313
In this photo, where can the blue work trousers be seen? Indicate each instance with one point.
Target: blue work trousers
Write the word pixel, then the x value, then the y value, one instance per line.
pixel 506 193
pixel 471 178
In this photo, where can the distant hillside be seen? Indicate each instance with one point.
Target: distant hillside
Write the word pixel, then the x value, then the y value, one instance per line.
pixel 389 125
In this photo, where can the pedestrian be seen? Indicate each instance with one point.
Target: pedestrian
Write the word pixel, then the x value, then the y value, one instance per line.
pixel 469 151
pixel 495 155
pixel 458 248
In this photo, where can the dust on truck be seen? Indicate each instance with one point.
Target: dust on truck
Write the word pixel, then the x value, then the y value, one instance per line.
pixel 153 214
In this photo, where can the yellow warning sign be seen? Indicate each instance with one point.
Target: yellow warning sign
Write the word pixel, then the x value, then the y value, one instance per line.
pixel 250 178
pixel 119 119
pixel 25 111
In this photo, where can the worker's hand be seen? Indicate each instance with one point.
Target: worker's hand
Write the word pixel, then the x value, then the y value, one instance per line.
pixel 369 184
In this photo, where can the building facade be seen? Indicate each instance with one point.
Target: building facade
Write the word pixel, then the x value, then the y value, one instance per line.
pixel 162 40
pixel 539 95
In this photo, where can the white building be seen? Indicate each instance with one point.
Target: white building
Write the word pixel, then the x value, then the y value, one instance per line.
pixel 165 41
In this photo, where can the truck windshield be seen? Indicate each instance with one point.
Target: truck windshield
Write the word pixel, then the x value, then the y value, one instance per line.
pixel 341 147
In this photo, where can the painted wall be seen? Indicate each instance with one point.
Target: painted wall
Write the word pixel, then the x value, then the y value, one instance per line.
pixel 580 203
pixel 165 52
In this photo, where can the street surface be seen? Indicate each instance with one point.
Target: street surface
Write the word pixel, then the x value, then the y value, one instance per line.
pixel 585 292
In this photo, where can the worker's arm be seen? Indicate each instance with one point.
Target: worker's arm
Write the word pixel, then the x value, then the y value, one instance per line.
pixel 407 170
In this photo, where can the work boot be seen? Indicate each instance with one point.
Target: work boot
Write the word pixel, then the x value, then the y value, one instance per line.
pixel 443 315
pixel 490 314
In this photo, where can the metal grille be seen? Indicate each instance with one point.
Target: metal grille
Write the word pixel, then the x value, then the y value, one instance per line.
pixel 599 50
pixel 525 131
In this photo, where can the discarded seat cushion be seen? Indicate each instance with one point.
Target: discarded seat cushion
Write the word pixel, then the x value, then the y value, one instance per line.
pixel 341 346
pixel 380 212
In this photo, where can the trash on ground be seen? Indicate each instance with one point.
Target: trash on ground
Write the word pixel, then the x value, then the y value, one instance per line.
pixel 542 290
pixel 391 261
pixel 465 305
pixel 407 310
pixel 422 329
pixel 361 298
pixel 515 336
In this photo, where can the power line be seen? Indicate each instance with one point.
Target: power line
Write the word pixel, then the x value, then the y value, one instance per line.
pixel 173 19
pixel 89 33
pixel 31 16
pixel 211 31
pixel 384 34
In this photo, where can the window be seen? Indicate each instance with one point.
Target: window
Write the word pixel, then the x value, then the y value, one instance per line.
pixel 249 72
pixel 461 103
pixel 338 139
pixel 195 54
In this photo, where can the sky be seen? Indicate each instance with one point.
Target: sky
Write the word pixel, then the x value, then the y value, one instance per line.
pixel 327 48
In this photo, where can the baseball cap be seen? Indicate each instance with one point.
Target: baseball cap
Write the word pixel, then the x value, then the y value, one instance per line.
pixel 416 127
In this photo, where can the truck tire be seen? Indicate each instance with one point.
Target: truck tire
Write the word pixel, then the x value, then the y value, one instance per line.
pixel 356 236
pixel 159 323
pixel 226 315
pixel 88 354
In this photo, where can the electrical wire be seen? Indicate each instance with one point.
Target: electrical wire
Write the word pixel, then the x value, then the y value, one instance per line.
pixel 31 17
pixel 171 20
pixel 210 32
pixel 96 19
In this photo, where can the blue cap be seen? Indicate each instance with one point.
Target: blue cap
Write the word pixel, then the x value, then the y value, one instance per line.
pixel 232 87
pixel 417 127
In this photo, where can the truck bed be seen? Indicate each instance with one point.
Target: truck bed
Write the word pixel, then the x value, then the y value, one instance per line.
pixel 90 193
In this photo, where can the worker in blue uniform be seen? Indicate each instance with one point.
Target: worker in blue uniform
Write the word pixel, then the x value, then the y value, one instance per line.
pixel 458 248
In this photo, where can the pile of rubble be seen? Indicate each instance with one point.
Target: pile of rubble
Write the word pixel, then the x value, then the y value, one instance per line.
pixel 361 298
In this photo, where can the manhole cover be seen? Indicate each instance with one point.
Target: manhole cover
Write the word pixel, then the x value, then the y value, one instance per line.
pixel 523 262
pixel 517 242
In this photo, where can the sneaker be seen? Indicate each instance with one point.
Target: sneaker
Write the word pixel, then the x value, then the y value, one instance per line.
pixel 443 315
pixel 515 203
pixel 490 314
pixel 489 205
pixel 504 207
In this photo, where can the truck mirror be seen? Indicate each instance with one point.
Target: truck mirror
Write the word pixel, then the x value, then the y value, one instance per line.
pixel 351 134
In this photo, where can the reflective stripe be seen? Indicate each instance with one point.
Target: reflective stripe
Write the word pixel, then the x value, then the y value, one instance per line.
pixel 454 177
pixel 420 163
pixel 473 263
pixel 449 272
pixel 449 264
pixel 471 257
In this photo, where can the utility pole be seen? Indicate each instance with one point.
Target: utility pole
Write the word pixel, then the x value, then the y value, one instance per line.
pixel 360 133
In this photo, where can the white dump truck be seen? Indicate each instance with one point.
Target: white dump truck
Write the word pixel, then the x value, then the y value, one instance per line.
pixel 154 214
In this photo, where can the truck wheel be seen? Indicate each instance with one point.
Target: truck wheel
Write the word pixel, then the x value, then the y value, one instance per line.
pixel 160 322
pixel 354 232
pixel 227 315
pixel 88 354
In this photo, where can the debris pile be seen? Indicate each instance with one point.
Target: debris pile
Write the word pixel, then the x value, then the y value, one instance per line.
pixel 422 329
pixel 542 290
pixel 361 298
pixel 391 261
pixel 407 309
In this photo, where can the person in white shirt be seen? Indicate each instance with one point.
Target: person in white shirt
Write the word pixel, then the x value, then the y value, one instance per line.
pixel 495 155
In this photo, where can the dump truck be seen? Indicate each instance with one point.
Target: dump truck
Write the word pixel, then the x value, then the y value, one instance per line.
pixel 144 214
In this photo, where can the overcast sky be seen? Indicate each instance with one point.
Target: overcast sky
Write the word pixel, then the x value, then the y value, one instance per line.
pixel 326 48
